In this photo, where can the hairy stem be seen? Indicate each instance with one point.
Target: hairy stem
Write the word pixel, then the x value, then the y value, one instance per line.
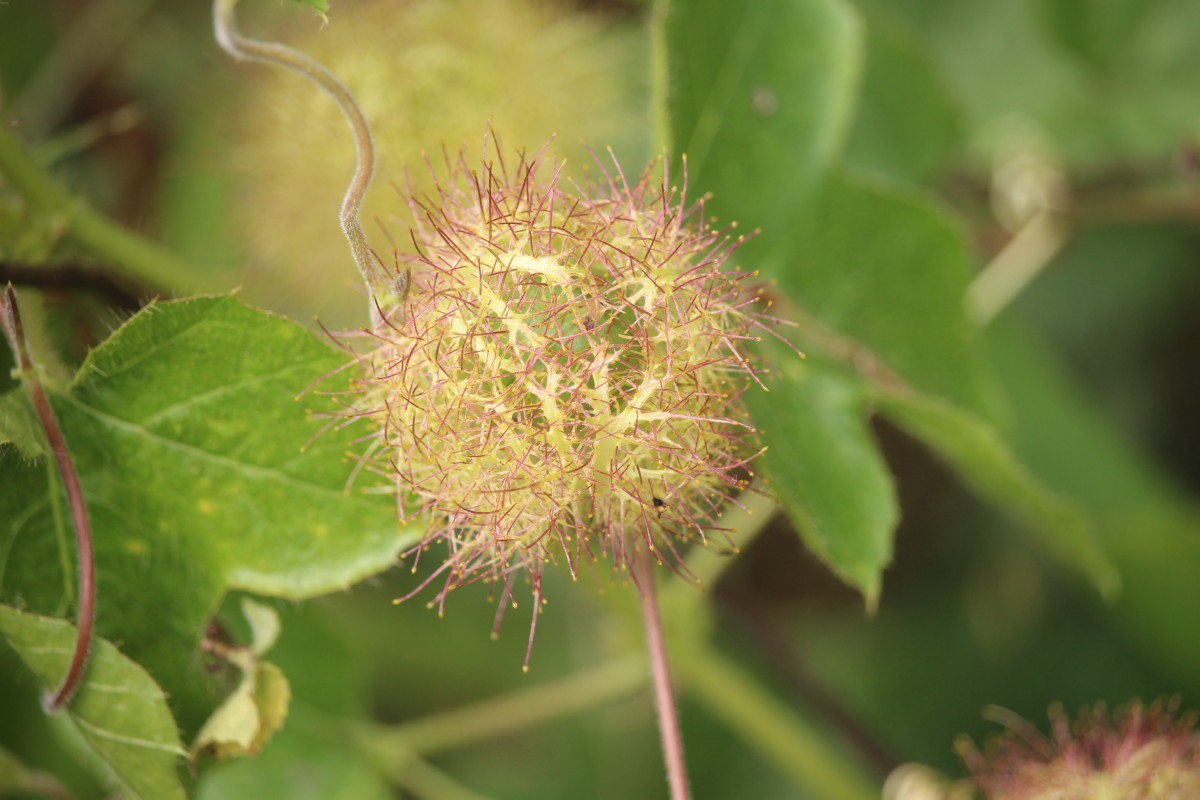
pixel 387 291
pixel 11 319
pixel 142 260
pixel 798 750
pixel 664 697
pixel 516 711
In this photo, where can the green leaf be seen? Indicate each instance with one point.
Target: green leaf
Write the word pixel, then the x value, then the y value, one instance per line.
pixel 1097 32
pixel 908 122
pixel 190 443
pixel 889 270
pixel 1147 522
pixel 977 453
pixel 19 424
pixel 826 468
pixel 759 97
pixel 320 6
pixel 119 711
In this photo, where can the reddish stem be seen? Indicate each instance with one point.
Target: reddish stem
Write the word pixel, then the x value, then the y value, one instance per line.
pixel 642 566
pixel 13 329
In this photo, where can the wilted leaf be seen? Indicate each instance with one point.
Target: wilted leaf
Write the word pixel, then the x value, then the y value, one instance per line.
pixel 119 711
pixel 249 717
pixel 264 626
pixel 256 709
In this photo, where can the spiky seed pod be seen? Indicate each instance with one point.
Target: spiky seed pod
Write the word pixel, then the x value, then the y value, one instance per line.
pixel 564 379
pixel 1138 753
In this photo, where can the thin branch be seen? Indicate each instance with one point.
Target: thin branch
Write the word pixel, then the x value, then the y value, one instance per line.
pixel 796 748
pixel 755 617
pixel 140 259
pixel 70 277
pixel 664 697
pixel 1012 270
pixel 387 291
pixel 11 319
pixel 494 717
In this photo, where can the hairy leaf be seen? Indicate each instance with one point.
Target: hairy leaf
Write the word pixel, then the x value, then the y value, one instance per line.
pixel 826 468
pixel 119 711
pixel 190 444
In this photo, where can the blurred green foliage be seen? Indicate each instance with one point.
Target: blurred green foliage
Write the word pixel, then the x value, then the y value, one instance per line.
pixel 871 148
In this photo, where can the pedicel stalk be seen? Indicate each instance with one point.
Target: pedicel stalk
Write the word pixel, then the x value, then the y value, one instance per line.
pixel 10 320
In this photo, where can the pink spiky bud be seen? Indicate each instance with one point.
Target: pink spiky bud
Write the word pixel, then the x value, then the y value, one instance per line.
pixel 564 378
pixel 1136 753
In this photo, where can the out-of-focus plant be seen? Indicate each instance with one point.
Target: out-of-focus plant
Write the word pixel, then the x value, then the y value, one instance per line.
pixel 564 376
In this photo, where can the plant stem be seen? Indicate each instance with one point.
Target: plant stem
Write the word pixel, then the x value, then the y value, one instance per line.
pixel 1014 268
pixel 429 783
pixel 140 259
pixel 664 698
pixel 797 749
pixel 515 711
pixel 660 97
pixel 387 291
pixel 11 319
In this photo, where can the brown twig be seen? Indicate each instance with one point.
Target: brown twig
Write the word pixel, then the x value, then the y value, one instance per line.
pixel 72 277
pixel 14 331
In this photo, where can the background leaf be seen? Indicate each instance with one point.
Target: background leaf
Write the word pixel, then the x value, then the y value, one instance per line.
pixel 826 469
pixel 119 711
pixel 978 454
pixel 188 437
pixel 889 270
pixel 760 97
pixel 909 122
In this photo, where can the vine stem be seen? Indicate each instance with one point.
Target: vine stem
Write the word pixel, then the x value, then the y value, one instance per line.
pixel 664 698
pixel 386 291
pixel 14 331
